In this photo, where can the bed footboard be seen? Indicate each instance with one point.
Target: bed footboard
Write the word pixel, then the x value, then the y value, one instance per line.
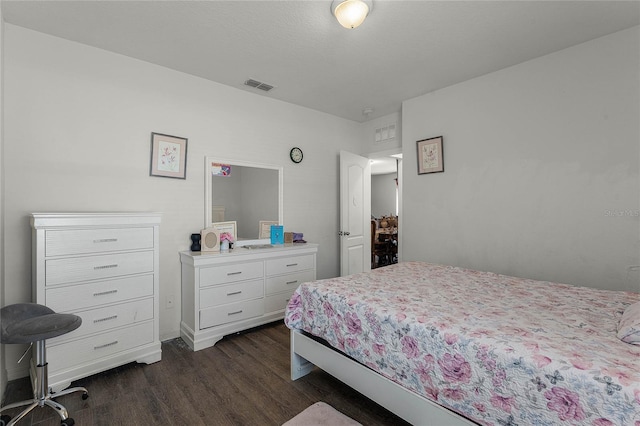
pixel 305 352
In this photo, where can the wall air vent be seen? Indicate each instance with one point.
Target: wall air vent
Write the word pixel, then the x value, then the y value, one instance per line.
pixel 258 85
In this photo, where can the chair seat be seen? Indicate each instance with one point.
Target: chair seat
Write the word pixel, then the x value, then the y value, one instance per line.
pixel 31 322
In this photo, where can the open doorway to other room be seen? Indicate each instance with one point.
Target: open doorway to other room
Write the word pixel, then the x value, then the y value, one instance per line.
pixel 385 197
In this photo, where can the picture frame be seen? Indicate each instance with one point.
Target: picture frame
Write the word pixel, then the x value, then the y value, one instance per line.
pixel 430 156
pixel 168 156
pixel 230 226
pixel 209 240
pixel 265 228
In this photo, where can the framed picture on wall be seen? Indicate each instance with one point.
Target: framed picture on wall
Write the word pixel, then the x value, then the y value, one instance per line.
pixel 430 156
pixel 168 156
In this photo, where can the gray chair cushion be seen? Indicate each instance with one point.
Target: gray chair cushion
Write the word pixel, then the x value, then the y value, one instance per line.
pixel 30 322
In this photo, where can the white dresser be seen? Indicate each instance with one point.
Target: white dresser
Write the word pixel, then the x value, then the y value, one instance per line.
pixel 223 293
pixel 103 268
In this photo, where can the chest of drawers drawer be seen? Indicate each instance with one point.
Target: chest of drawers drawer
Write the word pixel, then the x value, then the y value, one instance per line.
pixel 72 353
pixel 85 241
pixel 223 294
pixel 225 274
pixel 87 268
pixel 290 264
pixel 109 317
pixel 224 314
pixel 83 296
pixel 288 282
pixel 278 301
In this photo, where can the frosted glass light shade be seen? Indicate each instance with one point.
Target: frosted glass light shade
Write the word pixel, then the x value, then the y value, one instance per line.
pixel 351 13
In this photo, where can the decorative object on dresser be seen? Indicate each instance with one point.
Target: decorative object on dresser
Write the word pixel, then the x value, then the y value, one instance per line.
pixel 168 156
pixel 102 267
pixel 244 288
pixel 277 234
pixel 229 227
pixel 210 240
pixel 195 242
pixel 226 239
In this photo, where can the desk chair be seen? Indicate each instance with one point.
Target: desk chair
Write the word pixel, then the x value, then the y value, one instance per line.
pixel 33 323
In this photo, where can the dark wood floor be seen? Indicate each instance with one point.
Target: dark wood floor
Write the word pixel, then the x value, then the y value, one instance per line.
pixel 243 380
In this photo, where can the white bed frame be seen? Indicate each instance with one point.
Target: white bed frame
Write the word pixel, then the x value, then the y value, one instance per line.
pixel 306 353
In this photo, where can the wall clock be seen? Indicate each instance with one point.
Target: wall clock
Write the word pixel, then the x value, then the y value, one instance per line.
pixel 296 155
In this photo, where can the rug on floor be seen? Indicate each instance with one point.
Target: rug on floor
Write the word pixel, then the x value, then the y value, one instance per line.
pixel 321 414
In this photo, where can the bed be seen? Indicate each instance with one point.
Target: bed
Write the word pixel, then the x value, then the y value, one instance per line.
pixel 444 345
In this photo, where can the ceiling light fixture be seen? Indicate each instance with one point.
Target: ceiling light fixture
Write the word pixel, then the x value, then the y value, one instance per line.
pixel 351 13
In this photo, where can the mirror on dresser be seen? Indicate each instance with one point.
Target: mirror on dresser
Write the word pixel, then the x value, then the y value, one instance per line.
pixel 244 192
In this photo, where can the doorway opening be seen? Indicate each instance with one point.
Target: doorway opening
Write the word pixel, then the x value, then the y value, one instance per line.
pixel 385 208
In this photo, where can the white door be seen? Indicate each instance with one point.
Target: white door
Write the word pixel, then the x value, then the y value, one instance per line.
pixel 355 214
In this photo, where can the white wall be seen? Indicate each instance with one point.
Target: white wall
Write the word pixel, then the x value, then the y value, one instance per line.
pixel 369 143
pixel 77 138
pixel 541 169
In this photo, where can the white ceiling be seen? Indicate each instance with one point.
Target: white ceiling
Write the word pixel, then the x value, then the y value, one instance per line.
pixel 404 49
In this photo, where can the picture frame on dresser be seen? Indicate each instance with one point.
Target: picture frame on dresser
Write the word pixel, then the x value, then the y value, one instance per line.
pixel 265 228
pixel 230 227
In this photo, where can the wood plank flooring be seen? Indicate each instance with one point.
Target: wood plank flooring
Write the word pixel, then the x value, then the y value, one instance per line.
pixel 243 380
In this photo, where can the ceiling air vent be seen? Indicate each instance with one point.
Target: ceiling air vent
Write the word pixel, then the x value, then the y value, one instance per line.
pixel 258 85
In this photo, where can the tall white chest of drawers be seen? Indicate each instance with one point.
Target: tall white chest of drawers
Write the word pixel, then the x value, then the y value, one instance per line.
pixel 102 267
pixel 223 293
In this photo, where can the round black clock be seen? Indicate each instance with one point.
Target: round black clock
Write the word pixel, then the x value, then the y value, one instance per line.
pixel 296 155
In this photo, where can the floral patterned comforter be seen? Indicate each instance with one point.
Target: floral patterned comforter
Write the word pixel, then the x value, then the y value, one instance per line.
pixel 496 349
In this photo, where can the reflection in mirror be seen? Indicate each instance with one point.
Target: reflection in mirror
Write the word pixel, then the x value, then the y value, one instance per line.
pixel 246 193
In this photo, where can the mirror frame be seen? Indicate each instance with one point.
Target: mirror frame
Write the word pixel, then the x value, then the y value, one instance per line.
pixel 208 194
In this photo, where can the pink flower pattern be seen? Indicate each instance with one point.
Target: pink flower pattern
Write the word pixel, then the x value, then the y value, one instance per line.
pixel 496 349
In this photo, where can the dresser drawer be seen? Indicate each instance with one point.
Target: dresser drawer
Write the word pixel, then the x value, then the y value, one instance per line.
pixel 290 264
pixel 223 294
pixel 225 274
pixel 83 296
pixel 76 269
pixel 224 314
pixel 288 282
pixel 84 241
pixel 92 348
pixel 102 319
pixel 277 302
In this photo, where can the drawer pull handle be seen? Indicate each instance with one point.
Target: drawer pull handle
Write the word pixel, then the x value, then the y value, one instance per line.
pixel 115 265
pixel 105 319
pixel 234 273
pixel 291 282
pixel 105 240
pixel 292 264
pixel 235 313
pixel 233 293
pixel 115 342
pixel 104 293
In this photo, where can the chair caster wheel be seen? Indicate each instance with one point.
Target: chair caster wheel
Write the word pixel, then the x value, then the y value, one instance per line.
pixel 68 422
pixel 4 420
pixel 85 395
